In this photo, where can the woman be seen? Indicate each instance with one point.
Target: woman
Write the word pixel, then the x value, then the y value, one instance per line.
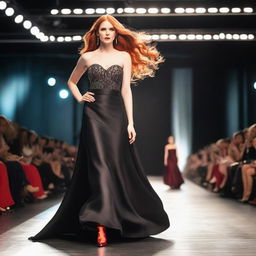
pixel 109 196
pixel 172 175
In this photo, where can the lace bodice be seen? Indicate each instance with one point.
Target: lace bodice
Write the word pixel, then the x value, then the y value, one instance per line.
pixel 100 77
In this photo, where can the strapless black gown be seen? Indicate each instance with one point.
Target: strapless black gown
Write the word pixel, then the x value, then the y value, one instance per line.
pixel 108 184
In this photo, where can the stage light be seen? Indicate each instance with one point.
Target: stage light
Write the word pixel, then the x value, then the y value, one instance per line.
pixel 51 81
pixel 165 10
pixel 236 10
pixel 9 11
pixel 212 10
pixel 200 10
pixel 164 36
pixel 141 10
pixel 236 37
pixel 222 36
pixel 191 36
pixel 129 10
pixel 254 85
pixel 216 37
pixel 199 37
pixel 190 10
pixel 39 35
pixel 153 10
pixel 155 37
pixel 110 10
pixel 68 38
pixel 3 5
pixel 228 36
pixel 248 9
pixel 63 93
pixel 65 11
pixel 120 10
pixel 182 37
pixel 34 30
pixel 89 11
pixel 100 10
pixel 54 11
pixel 18 19
pixel 78 11
pixel 77 38
pixel 224 10
pixel 172 37
pixel 44 38
pixel 179 10
pixel 52 38
pixel 27 24
pixel 60 38
pixel 250 36
pixel 243 37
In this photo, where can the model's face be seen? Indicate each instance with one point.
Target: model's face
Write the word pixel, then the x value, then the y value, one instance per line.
pixel 106 32
pixel 171 140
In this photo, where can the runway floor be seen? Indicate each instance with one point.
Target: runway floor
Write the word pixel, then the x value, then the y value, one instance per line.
pixel 202 223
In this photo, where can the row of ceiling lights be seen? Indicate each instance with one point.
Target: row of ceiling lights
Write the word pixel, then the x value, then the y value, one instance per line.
pixel 130 10
pixel 34 30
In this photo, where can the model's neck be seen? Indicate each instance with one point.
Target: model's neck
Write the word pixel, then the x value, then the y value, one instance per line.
pixel 106 48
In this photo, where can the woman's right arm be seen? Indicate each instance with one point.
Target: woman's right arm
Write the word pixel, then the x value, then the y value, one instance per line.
pixel 74 78
pixel 165 155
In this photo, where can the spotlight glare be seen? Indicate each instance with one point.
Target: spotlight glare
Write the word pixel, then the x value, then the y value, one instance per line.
pixel 224 10
pixel 199 37
pixel 51 81
pixel 248 9
pixel 243 37
pixel 228 36
pixel 110 10
pixel 100 10
pixel 212 10
pixel 141 10
pixel 18 19
pixel 78 11
pixel 222 36
pixel 9 11
pixel 129 10
pixel 190 10
pixel 216 37
pixel 179 10
pixel 3 5
pixel 65 11
pixel 165 10
pixel 77 38
pixel 236 10
pixel 153 10
pixel 27 24
pixel 235 36
pixel 254 85
pixel 200 10
pixel 172 37
pixel 44 38
pixel 89 11
pixel 63 93
pixel 54 11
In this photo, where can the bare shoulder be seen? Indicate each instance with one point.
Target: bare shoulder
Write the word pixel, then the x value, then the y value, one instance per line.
pixel 125 55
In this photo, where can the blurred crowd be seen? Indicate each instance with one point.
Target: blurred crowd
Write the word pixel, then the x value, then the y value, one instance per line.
pixel 32 167
pixel 228 166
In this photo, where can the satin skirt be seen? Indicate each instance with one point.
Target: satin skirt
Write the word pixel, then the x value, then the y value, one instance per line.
pixel 109 185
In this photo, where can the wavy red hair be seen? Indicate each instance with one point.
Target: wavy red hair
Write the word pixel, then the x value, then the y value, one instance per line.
pixel 144 55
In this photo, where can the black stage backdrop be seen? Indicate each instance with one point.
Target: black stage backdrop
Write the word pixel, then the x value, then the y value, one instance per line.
pixel 205 87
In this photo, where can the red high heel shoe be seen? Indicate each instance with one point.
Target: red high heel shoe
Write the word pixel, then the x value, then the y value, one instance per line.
pixel 102 237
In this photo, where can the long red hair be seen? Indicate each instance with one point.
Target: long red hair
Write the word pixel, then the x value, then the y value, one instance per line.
pixel 144 55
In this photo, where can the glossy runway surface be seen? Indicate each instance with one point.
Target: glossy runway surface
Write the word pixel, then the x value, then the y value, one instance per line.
pixel 201 224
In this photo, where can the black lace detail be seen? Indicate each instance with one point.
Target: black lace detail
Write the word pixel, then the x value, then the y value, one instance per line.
pixel 110 78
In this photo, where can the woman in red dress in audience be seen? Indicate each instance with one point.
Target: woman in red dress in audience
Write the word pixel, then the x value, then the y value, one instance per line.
pixel 172 174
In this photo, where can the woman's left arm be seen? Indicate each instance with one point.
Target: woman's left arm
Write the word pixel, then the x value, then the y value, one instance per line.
pixel 127 95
